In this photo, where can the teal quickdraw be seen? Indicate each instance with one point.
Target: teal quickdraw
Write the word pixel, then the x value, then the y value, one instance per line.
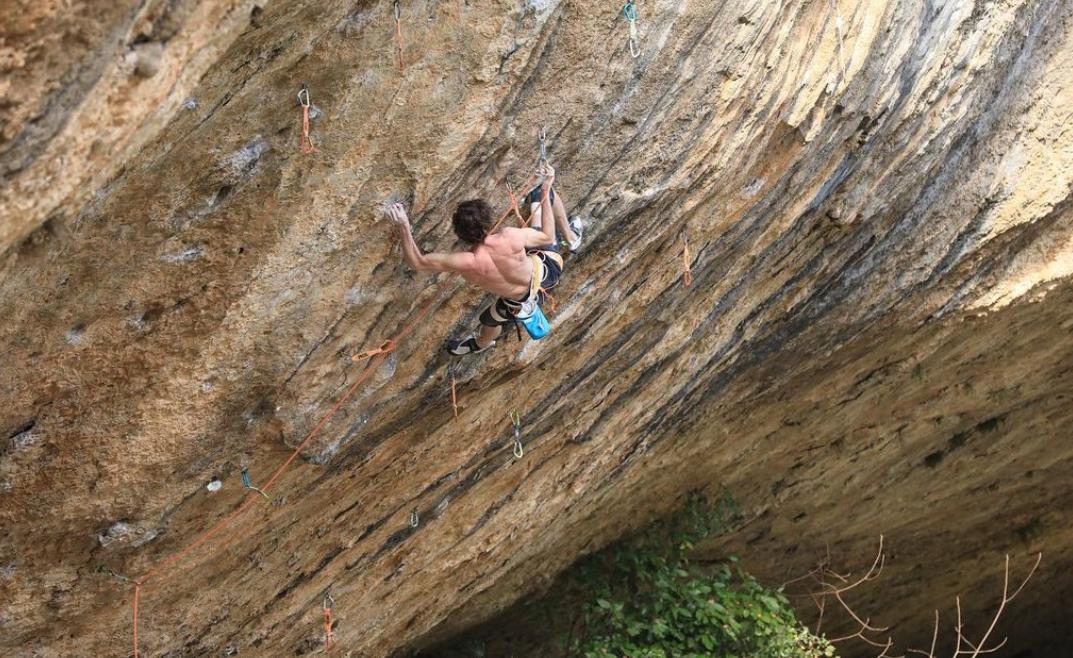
pixel 543 144
pixel 415 520
pixel 246 483
pixel 630 12
pixel 516 420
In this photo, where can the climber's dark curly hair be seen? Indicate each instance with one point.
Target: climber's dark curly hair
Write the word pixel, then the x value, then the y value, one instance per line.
pixel 472 221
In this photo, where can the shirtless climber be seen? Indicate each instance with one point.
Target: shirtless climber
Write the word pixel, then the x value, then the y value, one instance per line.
pixel 506 263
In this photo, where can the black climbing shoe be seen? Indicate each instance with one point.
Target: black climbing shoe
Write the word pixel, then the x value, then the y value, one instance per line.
pixel 467 345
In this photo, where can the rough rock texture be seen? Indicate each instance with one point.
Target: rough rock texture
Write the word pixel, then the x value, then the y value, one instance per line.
pixel 877 201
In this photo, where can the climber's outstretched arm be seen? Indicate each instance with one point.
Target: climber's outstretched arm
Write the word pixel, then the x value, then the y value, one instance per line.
pixel 434 262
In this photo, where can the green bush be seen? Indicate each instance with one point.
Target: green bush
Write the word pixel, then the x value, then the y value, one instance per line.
pixel 645 598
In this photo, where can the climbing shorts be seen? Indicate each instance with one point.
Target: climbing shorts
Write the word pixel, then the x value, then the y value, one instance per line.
pixel 534 196
pixel 504 311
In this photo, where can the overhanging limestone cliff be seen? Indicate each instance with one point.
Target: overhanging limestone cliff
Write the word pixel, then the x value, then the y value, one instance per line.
pixel 876 200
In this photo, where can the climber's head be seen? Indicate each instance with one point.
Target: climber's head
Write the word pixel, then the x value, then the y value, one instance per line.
pixel 472 221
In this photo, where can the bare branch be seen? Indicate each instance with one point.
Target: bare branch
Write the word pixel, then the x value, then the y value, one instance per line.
pixel 1006 598
pixel 1039 558
pixel 810 574
pixel 934 639
pixel 834 584
pixel 994 648
pixel 864 624
pixel 821 603
pixel 958 628
pixel 890 643
pixel 873 572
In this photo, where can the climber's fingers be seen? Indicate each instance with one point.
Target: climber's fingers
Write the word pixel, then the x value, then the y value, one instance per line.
pixel 397 213
pixel 548 172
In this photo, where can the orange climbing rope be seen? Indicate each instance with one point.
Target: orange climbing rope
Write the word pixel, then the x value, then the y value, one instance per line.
pixel 376 358
pixel 553 305
pixel 305 143
pixel 687 273
pixel 454 395
pixel 398 35
pixel 514 205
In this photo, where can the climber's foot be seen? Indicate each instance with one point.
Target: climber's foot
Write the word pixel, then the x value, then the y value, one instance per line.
pixel 467 345
pixel 578 228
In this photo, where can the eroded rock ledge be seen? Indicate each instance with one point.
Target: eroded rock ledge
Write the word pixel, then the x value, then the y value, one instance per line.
pixel 877 201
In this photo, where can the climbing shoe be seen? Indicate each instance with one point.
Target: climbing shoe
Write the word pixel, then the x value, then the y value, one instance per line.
pixel 577 227
pixel 467 345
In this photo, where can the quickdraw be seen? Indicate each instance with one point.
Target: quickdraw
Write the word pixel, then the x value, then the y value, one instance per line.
pixel 386 348
pixel 398 35
pixel 630 12
pixel 108 572
pixel 519 448
pixel 306 144
pixel 329 636
pixel 248 485
pixel 687 272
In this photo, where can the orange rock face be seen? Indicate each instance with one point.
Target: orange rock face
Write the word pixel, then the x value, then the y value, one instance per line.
pixel 876 198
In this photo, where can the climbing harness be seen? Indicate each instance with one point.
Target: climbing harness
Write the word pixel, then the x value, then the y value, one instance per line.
pixel 630 12
pixel 398 35
pixel 415 520
pixel 687 272
pixel 516 420
pixel 246 483
pixel 306 144
pixel 329 607
pixel 530 315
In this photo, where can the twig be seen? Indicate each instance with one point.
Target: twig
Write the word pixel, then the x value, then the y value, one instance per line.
pixel 934 638
pixel 1002 606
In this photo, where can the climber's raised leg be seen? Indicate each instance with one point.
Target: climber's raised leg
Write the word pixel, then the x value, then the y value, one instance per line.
pixel 570 229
